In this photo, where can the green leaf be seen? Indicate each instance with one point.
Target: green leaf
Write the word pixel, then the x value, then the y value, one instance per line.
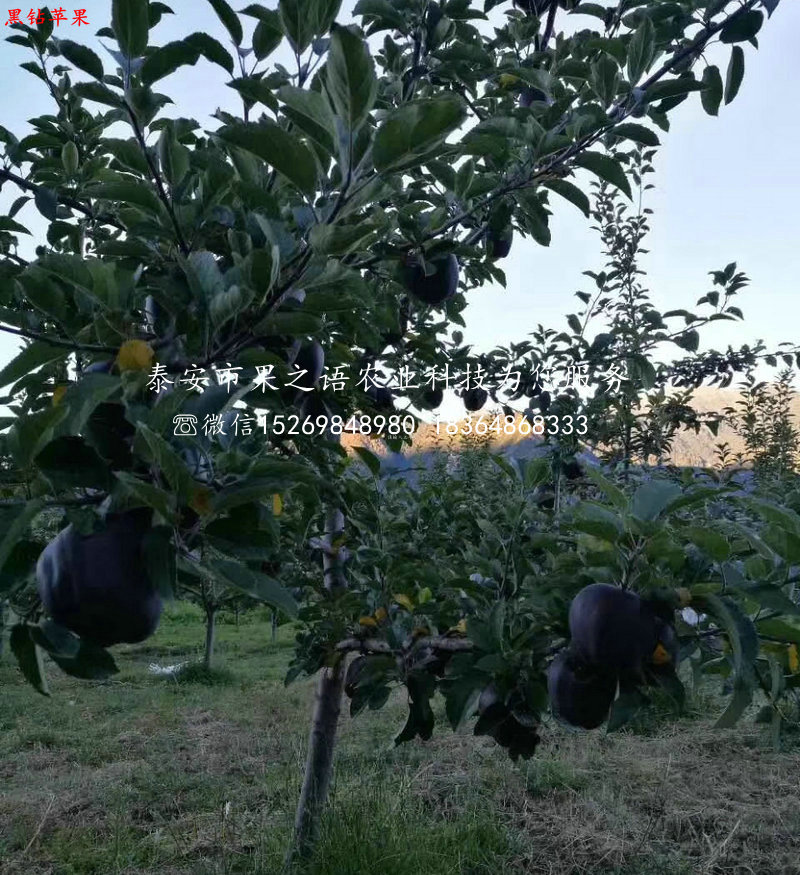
pixel 614 494
pixel 742 26
pixel 256 91
pixel 311 113
pixel 598 521
pixel 254 489
pixel 606 168
pixel 637 133
pixel 69 157
pixel 160 556
pixel 268 34
pixel 743 639
pixel 32 356
pixel 735 74
pixel 254 583
pixel 652 497
pixel 689 340
pixel 167 59
pixel 342 239
pixel 154 448
pixel 385 16
pixel 673 88
pixel 780 629
pixel 325 12
pixel 711 96
pixel 537 217
pixel 18 527
pixel 369 459
pixel 641 50
pixel 146 494
pixel 230 19
pixel 694 497
pixel 412 132
pixel 74 656
pixel 280 149
pixel 739 703
pixel 8 224
pixel 31 432
pixel 46 202
pixel 624 709
pixel 461 699
pixel 81 57
pixel 172 155
pixel 605 78
pixel 29 658
pixel 298 22
pixel 211 49
pixel 131 25
pixel 710 541
pixel 127 192
pixel 42 292
pixel 68 462
pixel 45 26
pixel 98 93
pixel 773 513
pixel 351 76
pixel 641 370
pixel 785 543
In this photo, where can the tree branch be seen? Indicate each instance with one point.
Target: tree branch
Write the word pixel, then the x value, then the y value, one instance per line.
pixel 68 201
pixel 376 645
pixel 550 25
pixel 58 341
pixel 63 502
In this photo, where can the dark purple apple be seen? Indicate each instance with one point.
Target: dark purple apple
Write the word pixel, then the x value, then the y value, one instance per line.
pixel 97 585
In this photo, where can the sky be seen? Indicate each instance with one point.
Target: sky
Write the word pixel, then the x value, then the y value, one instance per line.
pixel 727 188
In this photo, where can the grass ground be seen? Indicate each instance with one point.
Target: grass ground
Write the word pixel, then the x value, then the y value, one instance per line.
pixel 146 774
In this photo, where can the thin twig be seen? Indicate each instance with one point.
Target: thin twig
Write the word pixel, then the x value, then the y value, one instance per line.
pixel 58 341
pixel 162 194
pixel 68 201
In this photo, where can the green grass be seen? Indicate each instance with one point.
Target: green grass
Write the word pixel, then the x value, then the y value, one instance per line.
pixel 200 773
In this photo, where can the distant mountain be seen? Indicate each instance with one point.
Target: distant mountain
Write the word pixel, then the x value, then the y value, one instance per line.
pixel 688 448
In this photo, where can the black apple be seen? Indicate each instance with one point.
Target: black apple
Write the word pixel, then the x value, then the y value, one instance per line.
pixel 437 287
pixel 97 585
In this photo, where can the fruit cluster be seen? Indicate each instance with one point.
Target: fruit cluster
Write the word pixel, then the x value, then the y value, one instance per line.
pixel 618 640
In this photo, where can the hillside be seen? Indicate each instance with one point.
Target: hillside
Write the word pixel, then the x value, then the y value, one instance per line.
pixel 689 448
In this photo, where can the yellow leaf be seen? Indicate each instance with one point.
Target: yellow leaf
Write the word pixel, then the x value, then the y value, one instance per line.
pixel 380 614
pixel 794 661
pixel 507 80
pixel 367 621
pixel 58 394
pixel 424 595
pixel 661 655
pixel 277 505
pixel 134 355
pixel 461 626
pixel 404 600
pixel 685 597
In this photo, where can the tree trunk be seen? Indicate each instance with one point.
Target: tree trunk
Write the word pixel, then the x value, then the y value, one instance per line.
pixel 211 632
pixel 274 626
pixel 327 705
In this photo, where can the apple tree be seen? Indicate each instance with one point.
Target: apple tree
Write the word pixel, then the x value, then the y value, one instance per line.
pixel 338 221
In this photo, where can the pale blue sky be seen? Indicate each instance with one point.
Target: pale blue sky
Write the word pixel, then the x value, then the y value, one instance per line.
pixel 727 188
